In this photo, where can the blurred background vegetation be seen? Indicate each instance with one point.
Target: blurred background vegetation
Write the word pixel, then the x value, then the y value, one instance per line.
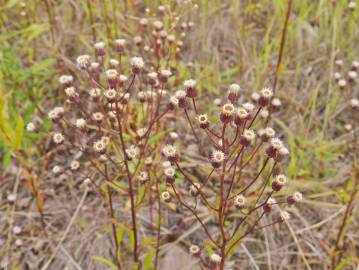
pixel 233 41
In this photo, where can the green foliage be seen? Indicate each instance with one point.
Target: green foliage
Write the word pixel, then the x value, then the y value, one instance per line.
pixel 105 261
pixel 21 89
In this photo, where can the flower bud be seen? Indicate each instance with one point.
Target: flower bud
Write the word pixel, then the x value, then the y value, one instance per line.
pixel 203 121
pixel 100 48
pixel 120 45
pixel 233 92
pixel 217 158
pixel 296 197
pixel 226 115
pixel 182 100
pixel 190 88
pixel 265 96
pixel 279 182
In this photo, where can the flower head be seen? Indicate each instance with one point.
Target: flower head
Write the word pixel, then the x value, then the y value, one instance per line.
pixel 166 196
pixel 66 80
pixel 132 152
pixel 170 153
pixel 247 137
pixel 203 121
pixel 58 138
pixel 284 215
pixel 83 61
pixel 137 64
pixel 279 182
pixel 190 87
pixel 142 177
pixel 217 158
pixel 194 250
pixel 99 146
pixel 239 201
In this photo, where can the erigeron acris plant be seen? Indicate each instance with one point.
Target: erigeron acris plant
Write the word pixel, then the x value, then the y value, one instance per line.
pixel 244 164
pixel 111 122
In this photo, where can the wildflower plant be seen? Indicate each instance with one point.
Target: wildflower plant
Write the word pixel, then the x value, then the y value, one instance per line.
pixel 244 169
pixel 111 123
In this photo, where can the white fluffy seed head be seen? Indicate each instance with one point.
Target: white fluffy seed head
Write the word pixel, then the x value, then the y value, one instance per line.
pixel 144 21
pixel 240 201
pixel 132 152
pixel 114 63
pixel 97 116
pixel 56 112
pixel 276 143
pixel 170 172
pixel 174 135
pixel 165 195
pixel 122 78
pixel 189 83
pixel 152 75
pixel 281 179
pixel 80 123
pixel 174 101
pixel 99 45
pixel 203 118
pixel 269 132
pixel 234 88
pixel 110 94
pixel 58 138
pixel 354 103
pixel 158 25
pixel 352 5
pixel 165 73
pixel 83 61
pixel 248 106
pixel 30 127
pixel 352 74
pixel 66 79
pixel 218 156
pixel 228 109
pixel 99 146
pixel 297 196
pixel 276 102
pixel 57 169
pixel 142 176
pixel 137 39
pixel 180 94
pixel 283 151
pixel 137 62
pixel 16 230
pixel 70 91
pixel 120 42
pixel 215 258
pixel 284 215
pixel 255 96
pixel 342 83
pixel 242 113
pixel 75 165
pixel 266 92
pixel 194 249
pixel 264 113
pixel 169 150
pixel 111 74
pixel 271 201
pixel 249 135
